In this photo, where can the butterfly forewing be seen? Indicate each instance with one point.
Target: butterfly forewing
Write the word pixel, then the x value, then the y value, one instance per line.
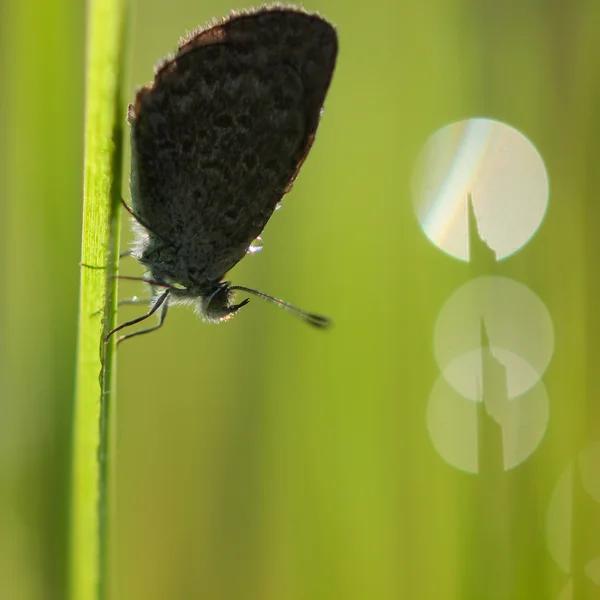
pixel 220 135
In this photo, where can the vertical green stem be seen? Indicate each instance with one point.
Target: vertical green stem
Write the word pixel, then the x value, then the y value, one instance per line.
pixel 100 244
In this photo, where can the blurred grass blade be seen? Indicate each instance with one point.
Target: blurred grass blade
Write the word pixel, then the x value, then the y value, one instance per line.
pixel 95 360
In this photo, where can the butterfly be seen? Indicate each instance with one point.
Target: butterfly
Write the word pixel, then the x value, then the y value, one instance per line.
pixel 217 139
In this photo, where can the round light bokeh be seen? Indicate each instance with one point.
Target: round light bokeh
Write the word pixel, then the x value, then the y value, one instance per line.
pixel 498 168
pixel 517 327
pixel 454 423
pixel 561 514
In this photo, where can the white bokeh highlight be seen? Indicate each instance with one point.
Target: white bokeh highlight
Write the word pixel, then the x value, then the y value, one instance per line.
pixel 501 170
pixel 519 327
pixel 559 516
pixel 453 424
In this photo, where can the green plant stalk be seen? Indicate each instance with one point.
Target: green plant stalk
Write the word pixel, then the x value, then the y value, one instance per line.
pixel 94 399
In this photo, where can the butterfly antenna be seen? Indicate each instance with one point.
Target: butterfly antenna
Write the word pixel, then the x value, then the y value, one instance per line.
pixel 311 318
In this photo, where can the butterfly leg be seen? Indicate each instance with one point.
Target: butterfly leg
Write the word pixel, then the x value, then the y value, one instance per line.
pixel 134 301
pixel 127 302
pixel 160 302
pixel 135 217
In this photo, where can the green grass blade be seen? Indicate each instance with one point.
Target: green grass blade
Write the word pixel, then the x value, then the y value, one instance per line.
pixel 95 360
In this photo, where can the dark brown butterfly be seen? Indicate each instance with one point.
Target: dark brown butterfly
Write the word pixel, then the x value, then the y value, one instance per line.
pixel 217 140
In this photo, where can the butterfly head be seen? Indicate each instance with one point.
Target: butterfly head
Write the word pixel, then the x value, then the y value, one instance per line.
pixel 217 306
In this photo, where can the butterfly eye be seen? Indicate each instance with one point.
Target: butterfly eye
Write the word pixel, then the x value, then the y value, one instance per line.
pixel 217 306
pixel 218 300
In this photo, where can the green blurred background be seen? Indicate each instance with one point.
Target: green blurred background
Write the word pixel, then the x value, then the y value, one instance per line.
pixel 262 459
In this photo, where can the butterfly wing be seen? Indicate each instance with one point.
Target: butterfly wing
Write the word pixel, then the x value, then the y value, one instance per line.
pixel 220 135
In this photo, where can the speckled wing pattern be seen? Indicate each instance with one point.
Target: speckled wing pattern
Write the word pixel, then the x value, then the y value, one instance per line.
pixel 221 133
